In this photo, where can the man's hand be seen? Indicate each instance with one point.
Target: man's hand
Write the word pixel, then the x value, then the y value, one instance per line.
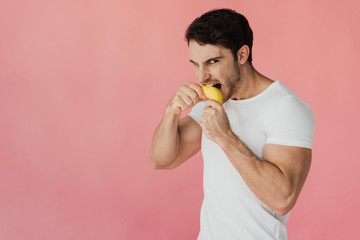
pixel 215 123
pixel 176 140
pixel 186 97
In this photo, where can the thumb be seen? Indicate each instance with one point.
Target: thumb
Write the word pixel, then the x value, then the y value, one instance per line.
pixel 203 99
pixel 213 103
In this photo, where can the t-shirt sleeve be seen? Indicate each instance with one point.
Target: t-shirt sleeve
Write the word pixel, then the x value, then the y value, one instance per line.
pixel 197 112
pixel 290 122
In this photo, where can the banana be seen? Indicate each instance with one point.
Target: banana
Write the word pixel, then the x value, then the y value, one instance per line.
pixel 213 93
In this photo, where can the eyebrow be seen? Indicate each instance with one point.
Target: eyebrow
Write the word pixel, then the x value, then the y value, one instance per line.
pixel 209 60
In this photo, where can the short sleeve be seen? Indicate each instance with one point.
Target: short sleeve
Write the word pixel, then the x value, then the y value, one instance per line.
pixel 197 112
pixel 290 122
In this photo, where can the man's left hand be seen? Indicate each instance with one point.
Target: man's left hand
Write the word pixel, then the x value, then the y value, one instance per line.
pixel 214 122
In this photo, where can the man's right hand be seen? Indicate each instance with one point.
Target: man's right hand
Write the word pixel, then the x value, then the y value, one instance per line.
pixel 186 97
pixel 176 140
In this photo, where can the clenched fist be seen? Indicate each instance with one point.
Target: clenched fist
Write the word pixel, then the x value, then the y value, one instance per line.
pixel 214 122
pixel 186 97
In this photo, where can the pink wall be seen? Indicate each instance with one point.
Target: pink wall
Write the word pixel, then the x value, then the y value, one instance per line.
pixel 83 84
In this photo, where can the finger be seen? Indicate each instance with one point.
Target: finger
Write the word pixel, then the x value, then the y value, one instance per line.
pixel 203 99
pixel 179 102
pixel 190 96
pixel 188 100
pixel 197 88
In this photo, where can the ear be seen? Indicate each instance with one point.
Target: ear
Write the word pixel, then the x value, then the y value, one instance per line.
pixel 243 54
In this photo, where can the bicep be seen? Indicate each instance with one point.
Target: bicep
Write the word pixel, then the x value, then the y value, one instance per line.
pixel 293 162
pixel 189 139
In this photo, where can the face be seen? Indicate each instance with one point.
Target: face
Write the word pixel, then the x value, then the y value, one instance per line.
pixel 215 65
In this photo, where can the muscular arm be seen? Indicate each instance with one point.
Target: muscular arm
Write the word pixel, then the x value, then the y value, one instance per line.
pixel 277 179
pixel 177 140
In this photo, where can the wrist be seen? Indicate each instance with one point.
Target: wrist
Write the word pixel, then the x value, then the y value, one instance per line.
pixel 228 140
pixel 171 116
pixel 234 146
pixel 170 112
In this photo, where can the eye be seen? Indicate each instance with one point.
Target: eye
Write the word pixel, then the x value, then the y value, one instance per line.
pixel 212 61
pixel 194 63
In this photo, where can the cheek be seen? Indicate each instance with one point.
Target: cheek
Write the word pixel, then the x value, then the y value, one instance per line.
pixel 233 73
pixel 196 72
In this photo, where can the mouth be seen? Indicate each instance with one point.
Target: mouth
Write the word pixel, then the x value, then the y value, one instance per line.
pixel 217 85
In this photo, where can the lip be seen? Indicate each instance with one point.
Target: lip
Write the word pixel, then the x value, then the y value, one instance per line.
pixel 215 84
pixel 211 84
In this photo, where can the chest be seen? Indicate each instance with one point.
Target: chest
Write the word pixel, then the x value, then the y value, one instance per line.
pixel 248 125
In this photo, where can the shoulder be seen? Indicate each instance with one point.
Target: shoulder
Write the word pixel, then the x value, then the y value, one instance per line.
pixel 289 120
pixel 285 101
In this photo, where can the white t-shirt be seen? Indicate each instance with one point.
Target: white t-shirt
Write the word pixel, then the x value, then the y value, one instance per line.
pixel 230 210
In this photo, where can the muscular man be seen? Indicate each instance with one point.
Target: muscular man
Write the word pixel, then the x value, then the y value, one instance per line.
pixel 256 146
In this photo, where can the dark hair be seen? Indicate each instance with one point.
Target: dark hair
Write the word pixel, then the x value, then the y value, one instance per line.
pixel 223 27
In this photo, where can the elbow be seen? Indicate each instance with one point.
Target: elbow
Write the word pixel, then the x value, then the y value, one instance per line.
pixel 284 207
pixel 156 163
pixel 153 164
pixel 282 212
pixel 157 166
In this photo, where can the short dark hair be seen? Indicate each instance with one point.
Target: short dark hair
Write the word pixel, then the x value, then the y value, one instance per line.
pixel 223 27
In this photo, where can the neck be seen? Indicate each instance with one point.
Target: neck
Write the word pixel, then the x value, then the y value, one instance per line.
pixel 251 83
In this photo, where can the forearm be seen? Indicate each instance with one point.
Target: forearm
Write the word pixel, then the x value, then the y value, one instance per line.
pixel 265 179
pixel 166 143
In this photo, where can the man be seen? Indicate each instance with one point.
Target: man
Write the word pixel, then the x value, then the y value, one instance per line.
pixel 256 146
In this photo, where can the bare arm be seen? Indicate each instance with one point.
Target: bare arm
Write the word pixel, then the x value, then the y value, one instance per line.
pixel 177 140
pixel 277 179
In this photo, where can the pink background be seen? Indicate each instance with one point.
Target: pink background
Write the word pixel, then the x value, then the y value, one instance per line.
pixel 84 83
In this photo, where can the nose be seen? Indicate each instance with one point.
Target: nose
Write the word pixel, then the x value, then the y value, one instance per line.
pixel 203 74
